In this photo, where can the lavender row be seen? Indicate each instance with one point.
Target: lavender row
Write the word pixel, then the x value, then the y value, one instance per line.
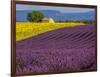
pixel 62 50
pixel 51 60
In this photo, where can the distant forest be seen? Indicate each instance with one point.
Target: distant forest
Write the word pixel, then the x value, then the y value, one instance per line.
pixel 85 22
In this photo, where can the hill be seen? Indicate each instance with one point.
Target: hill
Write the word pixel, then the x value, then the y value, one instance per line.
pixel 58 16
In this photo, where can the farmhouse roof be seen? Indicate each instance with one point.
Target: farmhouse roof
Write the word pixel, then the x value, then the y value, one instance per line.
pixel 45 18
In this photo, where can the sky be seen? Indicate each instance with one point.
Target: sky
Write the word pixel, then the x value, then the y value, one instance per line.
pixel 60 9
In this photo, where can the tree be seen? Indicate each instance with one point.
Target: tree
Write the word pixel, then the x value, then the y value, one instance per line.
pixel 35 16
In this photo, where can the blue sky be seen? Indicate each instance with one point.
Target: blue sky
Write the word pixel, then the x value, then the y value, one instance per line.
pixel 61 9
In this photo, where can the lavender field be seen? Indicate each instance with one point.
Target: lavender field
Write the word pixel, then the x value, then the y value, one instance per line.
pixel 62 50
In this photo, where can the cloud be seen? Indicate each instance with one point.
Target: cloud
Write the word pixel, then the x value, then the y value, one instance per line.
pixel 61 9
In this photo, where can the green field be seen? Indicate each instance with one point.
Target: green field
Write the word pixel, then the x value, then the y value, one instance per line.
pixel 28 29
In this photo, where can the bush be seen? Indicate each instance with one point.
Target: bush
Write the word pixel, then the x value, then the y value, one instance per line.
pixel 35 16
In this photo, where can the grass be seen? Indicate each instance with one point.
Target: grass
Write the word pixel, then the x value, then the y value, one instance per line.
pixel 27 29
